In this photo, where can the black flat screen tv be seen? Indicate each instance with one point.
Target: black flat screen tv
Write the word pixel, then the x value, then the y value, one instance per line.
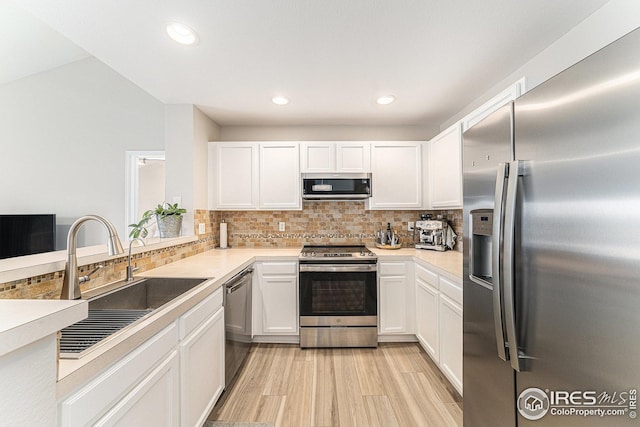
pixel 27 234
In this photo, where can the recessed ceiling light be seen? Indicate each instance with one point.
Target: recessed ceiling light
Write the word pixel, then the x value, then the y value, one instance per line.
pixel 182 33
pixel 280 100
pixel 384 100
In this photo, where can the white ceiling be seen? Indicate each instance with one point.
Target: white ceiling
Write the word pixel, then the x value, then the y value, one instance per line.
pixel 332 58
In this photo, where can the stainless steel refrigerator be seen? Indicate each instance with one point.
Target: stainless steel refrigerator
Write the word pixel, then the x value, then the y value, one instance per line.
pixel 552 250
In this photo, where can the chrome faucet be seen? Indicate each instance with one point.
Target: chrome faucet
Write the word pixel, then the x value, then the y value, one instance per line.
pixel 71 281
pixel 130 269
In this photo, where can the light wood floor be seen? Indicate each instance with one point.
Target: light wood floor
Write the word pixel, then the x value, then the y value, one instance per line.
pixel 393 385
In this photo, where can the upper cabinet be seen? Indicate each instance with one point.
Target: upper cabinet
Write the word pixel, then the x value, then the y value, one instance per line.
pixel 396 169
pixel 445 169
pixel 279 176
pixel 252 175
pixel 352 156
pixel 233 175
pixel 507 95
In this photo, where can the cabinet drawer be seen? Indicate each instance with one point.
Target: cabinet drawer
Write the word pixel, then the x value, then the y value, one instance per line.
pixel 451 289
pixel 198 314
pixel 279 268
pixel 392 268
pixel 427 276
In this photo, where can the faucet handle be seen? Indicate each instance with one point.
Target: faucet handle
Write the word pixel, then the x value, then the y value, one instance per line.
pixel 84 279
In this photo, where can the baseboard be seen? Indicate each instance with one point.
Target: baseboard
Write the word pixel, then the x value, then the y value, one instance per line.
pixel 397 338
pixel 276 339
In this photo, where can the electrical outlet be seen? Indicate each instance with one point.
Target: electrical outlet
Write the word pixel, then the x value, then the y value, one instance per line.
pixel 178 200
pixel 202 228
pixel 410 226
pixel 281 226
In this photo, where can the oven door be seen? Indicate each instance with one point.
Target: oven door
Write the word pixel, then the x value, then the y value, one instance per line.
pixel 336 290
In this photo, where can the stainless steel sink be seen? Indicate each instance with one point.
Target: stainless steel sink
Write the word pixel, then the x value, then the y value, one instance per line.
pixel 115 307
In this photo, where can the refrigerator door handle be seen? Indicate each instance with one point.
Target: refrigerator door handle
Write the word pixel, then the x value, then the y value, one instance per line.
pixel 496 257
pixel 508 260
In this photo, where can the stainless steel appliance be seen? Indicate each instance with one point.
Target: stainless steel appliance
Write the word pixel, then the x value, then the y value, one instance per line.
pixel 237 321
pixel 338 297
pixel 552 286
pixel 336 186
pixel 434 234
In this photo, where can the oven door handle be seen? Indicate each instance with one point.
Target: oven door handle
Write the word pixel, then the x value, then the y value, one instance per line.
pixel 337 268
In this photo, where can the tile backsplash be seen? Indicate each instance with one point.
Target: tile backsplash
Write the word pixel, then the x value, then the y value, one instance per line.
pixel 323 222
pixel 317 223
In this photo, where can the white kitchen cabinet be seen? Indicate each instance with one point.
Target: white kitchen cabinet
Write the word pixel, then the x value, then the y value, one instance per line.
pixel 396 169
pixel 275 300
pixel 438 305
pixel 395 307
pixel 279 176
pixel 341 157
pixel 445 169
pixel 318 156
pixel 117 391
pixel 252 175
pixel 353 156
pixel 427 326
pixel 154 400
pixel 202 370
pixel 233 175
pixel 173 378
pixel 509 94
pixel 450 315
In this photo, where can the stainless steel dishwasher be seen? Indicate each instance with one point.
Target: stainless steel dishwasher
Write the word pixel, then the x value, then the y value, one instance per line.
pixel 237 321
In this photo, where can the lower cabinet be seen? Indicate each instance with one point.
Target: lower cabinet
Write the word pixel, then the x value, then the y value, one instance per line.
pixel 275 300
pixel 427 328
pixel 154 401
pixel 439 321
pixel 450 314
pixel 396 310
pixel 173 378
pixel 202 370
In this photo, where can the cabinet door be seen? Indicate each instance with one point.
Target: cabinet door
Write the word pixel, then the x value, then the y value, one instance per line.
pixel 153 402
pixel 280 176
pixel 202 370
pixel 393 305
pixel 279 304
pixel 236 174
pixel 445 168
pixel 451 341
pixel 396 169
pixel 427 328
pixel 318 156
pixel 353 157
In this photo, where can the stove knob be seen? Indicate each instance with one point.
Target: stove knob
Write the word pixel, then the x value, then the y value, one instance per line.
pixel 362 254
pixel 303 254
pixel 372 254
pixel 313 254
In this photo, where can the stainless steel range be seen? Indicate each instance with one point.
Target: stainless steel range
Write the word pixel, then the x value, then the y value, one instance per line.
pixel 338 297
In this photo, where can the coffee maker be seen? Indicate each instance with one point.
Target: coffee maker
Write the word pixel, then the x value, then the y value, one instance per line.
pixel 434 234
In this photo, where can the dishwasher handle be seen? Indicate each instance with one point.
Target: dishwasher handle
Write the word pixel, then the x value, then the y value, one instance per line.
pixel 238 280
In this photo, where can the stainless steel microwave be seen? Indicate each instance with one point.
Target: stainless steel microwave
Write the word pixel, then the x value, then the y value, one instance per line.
pixel 336 186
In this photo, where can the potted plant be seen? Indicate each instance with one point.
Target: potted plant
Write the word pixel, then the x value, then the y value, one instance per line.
pixel 168 218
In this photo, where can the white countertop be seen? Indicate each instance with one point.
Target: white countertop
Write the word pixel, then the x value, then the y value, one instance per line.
pixel 23 322
pixel 448 262
pixel 221 263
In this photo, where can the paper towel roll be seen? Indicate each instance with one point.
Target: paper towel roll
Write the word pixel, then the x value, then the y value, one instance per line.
pixel 223 235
